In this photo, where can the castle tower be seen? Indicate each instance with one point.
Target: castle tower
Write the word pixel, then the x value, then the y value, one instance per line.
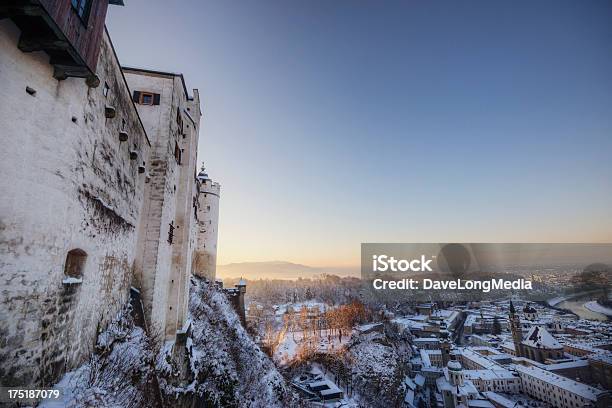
pixel 205 260
pixel 517 331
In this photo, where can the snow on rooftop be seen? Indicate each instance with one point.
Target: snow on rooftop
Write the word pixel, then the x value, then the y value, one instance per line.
pixel 499 400
pixel 478 359
pixel 409 383
pixel 495 374
pixel 567 364
pixel 555 380
pixel 539 337
pixel 419 380
pixel 480 404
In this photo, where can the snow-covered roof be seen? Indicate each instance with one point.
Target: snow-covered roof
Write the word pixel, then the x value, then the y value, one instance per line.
pixel 409 383
pixel 566 365
pixel 478 359
pixel 555 380
pixel 409 398
pixel 454 365
pixel 539 337
pixel 495 374
pixel 480 403
pixel 427 340
pixel 419 380
pixel 499 400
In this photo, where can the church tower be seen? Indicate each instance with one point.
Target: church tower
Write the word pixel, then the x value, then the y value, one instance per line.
pixel 517 331
pixel 445 348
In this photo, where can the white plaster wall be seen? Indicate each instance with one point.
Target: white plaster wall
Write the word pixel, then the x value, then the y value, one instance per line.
pixel 164 268
pixel 65 184
pixel 208 226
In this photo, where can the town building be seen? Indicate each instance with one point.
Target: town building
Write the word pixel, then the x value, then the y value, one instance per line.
pixel 456 391
pixel 539 345
pixel 560 391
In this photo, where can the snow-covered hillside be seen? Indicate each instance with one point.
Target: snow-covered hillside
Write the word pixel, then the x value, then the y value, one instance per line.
pixel 230 369
pixel 118 374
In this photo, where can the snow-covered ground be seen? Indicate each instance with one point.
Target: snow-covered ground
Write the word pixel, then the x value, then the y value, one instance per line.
pixel 323 342
pixel 593 306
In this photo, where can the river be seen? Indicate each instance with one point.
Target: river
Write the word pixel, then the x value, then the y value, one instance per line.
pixel 577 306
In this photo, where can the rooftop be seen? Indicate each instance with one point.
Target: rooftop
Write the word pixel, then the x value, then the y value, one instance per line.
pixel 555 380
pixel 539 337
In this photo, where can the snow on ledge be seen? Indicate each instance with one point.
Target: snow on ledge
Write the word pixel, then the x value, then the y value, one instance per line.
pixel 72 281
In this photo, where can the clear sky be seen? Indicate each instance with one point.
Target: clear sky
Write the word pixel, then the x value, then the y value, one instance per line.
pixel 331 123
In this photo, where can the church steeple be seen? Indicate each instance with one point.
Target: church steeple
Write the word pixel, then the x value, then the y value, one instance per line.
pixel 517 331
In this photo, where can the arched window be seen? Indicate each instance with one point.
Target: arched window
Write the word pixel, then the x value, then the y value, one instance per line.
pixel 75 263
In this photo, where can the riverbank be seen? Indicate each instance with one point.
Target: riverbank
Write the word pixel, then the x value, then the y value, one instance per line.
pixel 593 306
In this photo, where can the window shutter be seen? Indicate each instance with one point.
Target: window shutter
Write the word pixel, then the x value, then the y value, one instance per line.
pixel 136 96
pixel 155 99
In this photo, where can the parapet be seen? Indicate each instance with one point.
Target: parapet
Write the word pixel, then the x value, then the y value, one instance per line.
pixel 210 187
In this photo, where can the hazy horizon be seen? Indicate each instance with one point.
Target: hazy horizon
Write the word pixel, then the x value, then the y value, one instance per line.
pixel 329 124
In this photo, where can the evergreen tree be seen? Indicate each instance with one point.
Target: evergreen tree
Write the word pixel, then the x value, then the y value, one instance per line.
pixel 496 326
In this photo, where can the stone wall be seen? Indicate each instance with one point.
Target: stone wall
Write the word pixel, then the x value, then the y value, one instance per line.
pixel 68 182
pixel 163 265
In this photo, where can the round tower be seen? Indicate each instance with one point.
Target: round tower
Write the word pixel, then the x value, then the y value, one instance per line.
pixel 455 373
pixel 205 260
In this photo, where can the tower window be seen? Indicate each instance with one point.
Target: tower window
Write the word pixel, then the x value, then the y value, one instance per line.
pixel 75 263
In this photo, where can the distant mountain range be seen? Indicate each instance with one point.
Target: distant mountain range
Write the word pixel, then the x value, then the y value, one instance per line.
pixel 280 270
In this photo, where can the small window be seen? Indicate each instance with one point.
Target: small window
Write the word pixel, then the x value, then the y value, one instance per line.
pixel 146 98
pixel 82 8
pixel 105 89
pixel 75 263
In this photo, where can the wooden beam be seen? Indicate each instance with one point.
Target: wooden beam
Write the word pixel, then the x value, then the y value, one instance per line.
pixel 13 9
pixel 62 72
pixel 48 43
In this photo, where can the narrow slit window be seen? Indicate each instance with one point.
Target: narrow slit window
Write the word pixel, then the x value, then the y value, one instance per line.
pixel 171 233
